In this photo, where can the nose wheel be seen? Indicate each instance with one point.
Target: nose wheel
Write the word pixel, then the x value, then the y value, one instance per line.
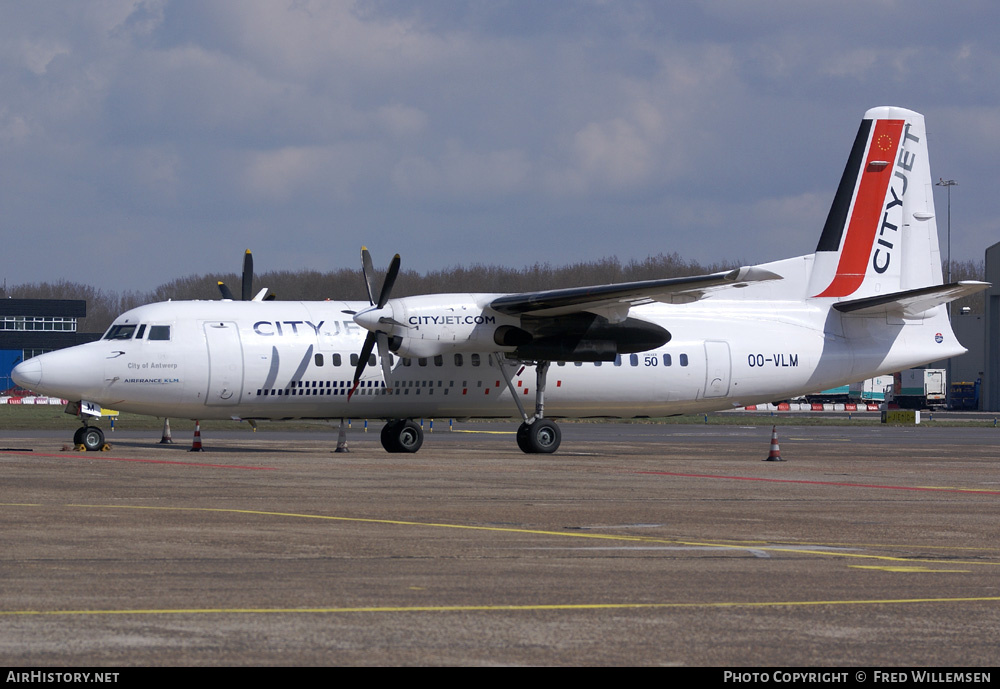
pixel 91 437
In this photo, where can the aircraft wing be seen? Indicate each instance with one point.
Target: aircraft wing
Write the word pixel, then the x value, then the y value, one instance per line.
pixel 911 303
pixel 618 298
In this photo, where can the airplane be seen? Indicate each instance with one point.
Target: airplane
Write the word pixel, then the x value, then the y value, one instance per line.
pixel 869 301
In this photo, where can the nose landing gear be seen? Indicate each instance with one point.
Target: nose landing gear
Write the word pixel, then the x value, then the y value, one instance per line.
pixel 90 437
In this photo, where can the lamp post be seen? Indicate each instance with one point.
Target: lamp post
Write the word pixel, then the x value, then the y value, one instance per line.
pixel 948 184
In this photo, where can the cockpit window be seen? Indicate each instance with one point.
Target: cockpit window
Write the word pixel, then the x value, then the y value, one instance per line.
pixel 140 331
pixel 120 332
pixel 159 332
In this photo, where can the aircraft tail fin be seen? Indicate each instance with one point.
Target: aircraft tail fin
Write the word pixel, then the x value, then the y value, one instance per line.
pixel 881 234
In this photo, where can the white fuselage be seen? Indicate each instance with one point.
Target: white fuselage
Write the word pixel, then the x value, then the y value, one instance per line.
pixel 284 360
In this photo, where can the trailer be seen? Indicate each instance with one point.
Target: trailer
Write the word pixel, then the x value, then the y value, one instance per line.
pixel 871 390
pixel 920 388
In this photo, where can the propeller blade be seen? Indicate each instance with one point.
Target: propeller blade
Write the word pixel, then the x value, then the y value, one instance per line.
pixel 247 276
pixel 390 280
pixel 226 294
pixel 366 351
pixel 369 273
pixel 385 357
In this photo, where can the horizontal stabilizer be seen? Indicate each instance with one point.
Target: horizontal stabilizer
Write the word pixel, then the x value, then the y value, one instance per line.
pixel 911 303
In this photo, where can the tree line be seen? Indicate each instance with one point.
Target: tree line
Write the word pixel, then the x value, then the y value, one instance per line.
pixel 103 306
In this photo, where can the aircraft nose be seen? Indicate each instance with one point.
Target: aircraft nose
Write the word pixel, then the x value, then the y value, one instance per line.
pixel 28 374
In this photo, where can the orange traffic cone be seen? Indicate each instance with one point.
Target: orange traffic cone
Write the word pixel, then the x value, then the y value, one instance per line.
pixel 167 439
pixel 196 443
pixel 775 454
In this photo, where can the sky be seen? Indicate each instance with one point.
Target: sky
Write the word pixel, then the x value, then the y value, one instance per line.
pixel 145 141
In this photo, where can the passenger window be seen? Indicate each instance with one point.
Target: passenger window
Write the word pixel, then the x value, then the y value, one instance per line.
pixel 684 359
pixel 618 359
pixel 474 359
pixel 159 332
pixel 458 359
pixel 422 361
pixel 598 363
pixel 666 359
pixel 318 359
pixel 354 360
pixel 633 359
pixel 336 360
pixel 371 360
pixel 439 360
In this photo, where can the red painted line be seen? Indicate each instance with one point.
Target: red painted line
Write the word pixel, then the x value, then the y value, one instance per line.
pixel 91 455
pixel 824 483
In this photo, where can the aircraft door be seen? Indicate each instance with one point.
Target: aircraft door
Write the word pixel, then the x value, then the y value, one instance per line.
pixel 225 364
pixel 718 368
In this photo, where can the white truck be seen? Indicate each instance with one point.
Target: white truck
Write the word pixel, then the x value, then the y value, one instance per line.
pixel 919 388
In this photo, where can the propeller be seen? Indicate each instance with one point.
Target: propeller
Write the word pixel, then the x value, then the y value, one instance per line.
pixel 372 317
pixel 246 284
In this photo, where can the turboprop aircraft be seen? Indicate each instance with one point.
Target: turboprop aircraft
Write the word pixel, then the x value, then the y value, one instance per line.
pixel 869 301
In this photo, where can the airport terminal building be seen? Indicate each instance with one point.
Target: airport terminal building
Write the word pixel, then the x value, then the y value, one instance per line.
pixel 29 327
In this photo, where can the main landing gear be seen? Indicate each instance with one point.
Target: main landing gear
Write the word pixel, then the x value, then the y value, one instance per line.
pixel 541 437
pixel 537 435
pixel 91 437
pixel 402 435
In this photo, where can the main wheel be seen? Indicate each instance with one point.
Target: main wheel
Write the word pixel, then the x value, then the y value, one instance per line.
pixel 402 435
pixel 522 438
pixel 410 437
pixel 541 437
pixel 78 436
pixel 92 438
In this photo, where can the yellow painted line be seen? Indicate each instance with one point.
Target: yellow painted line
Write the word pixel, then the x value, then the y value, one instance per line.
pixel 838 544
pixel 910 569
pixel 539 532
pixel 456 430
pixel 497 608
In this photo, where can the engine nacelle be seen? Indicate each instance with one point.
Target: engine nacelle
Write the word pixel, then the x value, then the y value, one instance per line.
pixel 433 324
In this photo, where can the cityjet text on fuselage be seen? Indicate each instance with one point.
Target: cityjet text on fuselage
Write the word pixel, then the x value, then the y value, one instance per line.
pixel 452 320
pixel 283 328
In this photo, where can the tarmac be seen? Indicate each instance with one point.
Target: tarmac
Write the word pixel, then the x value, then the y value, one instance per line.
pixel 635 544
